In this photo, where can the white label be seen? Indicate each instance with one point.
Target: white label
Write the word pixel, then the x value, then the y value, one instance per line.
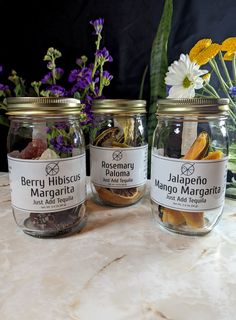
pixel 47 185
pixel 118 167
pixel 188 185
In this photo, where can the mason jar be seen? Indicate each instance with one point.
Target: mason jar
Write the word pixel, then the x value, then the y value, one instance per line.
pixel 46 161
pixel 118 151
pixel 189 164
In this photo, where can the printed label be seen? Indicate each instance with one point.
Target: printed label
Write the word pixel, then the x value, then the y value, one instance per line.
pixel 47 185
pixel 118 167
pixel 188 185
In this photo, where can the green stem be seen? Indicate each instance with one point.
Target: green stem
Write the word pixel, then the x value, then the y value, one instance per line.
pixel 232 116
pixel 96 59
pixel 222 82
pixel 215 67
pixel 234 67
pixel 225 69
pixel 209 89
pixel 199 95
pixel 53 71
pixel 212 89
pixel 101 81
pixel 84 93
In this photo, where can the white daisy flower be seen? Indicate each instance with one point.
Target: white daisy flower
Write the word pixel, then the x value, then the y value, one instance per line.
pixel 184 77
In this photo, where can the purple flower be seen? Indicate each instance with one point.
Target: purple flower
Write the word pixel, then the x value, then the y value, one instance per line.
pixel 232 92
pixel 83 78
pixel 66 149
pixel 3 87
pixel 103 55
pixel 57 90
pixel 47 79
pixel 62 126
pixel 167 89
pixel 59 73
pixel 73 75
pixel 53 141
pixel 60 144
pixel 98 25
pixel 107 77
pixel 60 140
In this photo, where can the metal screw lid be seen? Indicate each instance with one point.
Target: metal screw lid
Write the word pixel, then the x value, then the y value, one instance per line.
pixel 194 106
pixel 120 106
pixel 42 106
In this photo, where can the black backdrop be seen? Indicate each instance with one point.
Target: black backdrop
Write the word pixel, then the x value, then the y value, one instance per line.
pixel 29 28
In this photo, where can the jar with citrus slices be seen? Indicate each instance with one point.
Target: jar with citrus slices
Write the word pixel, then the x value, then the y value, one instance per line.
pixel 118 151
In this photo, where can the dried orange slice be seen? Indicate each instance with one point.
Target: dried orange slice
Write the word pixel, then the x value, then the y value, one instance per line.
pixel 118 196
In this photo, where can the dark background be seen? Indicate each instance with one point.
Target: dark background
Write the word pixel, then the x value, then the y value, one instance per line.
pixel 28 29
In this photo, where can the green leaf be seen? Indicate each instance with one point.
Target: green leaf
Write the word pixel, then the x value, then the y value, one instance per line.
pixel 159 61
pixel 142 82
pixel 159 66
pixel 4 121
pixel 47 58
pixel 3 106
pixel 77 95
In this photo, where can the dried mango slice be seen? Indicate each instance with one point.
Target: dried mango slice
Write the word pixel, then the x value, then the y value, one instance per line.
pixel 199 148
pixel 172 216
pixel 214 155
pixel 197 151
pixel 194 219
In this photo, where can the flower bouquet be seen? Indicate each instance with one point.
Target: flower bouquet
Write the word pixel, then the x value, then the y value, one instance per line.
pixel 185 78
pixel 85 82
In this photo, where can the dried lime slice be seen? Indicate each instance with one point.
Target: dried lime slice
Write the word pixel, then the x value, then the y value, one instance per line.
pixel 106 138
pixel 118 197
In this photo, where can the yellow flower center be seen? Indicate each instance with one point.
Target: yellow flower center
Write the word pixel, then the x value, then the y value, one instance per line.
pixel 186 82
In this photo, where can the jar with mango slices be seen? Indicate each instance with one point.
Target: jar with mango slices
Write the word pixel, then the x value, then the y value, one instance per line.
pixel 189 164
pixel 118 151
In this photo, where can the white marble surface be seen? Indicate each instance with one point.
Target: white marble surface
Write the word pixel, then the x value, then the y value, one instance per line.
pixel 120 266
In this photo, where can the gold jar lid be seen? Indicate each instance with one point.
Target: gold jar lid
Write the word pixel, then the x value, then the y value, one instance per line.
pixel 119 106
pixel 194 106
pixel 42 106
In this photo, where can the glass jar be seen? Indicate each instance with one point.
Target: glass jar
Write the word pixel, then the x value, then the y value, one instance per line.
pixel 118 151
pixel 46 161
pixel 189 164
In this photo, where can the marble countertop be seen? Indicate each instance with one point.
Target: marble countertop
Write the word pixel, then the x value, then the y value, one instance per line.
pixel 120 266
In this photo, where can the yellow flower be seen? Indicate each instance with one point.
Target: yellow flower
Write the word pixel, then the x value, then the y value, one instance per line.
pixel 229 45
pixel 198 47
pixel 229 55
pixel 207 54
pixel 206 77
